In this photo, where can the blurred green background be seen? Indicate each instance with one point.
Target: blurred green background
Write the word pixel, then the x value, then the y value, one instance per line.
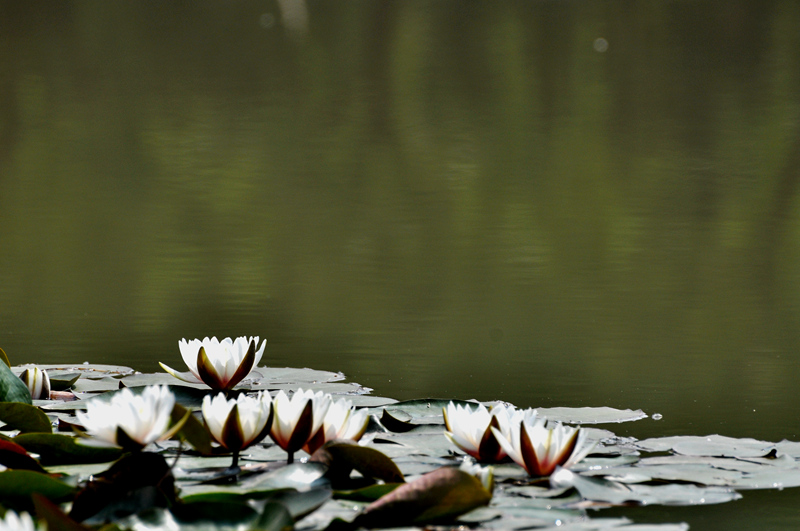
pixel 544 202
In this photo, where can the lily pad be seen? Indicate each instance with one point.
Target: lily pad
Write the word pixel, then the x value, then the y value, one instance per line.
pixel 58 449
pixel 24 417
pixel 342 457
pixel 14 456
pixel 711 445
pixel 616 493
pixel 590 415
pixel 19 485
pixel 438 496
pixel 11 387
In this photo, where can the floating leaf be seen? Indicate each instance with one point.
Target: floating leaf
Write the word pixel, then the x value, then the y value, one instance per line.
pixel 59 449
pixel 24 417
pixel 590 415
pixel 710 445
pixel 12 389
pixel 137 481
pixel 14 456
pixel 342 457
pixel 211 516
pixel 396 423
pixel 192 430
pixel 61 380
pixel 188 397
pixel 296 502
pixel 368 494
pixel 21 484
pixel 616 493
pixel 438 496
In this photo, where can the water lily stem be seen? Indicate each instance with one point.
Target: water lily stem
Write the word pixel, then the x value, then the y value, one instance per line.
pixel 235 462
pixel 290 459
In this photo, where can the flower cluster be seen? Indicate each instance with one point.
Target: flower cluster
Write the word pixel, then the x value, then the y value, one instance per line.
pixel 533 443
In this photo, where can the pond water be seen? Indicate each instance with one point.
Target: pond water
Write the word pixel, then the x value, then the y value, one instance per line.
pixel 549 203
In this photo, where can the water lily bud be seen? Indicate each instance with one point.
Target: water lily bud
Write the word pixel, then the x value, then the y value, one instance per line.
pixel 238 423
pixel 38 382
pixel 128 420
pixel 218 364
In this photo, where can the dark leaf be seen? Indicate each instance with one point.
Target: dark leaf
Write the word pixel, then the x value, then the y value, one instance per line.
pixel 12 389
pixel 24 417
pixel 135 482
pixel 58 449
pixel 21 484
pixel 193 430
pixel 56 519
pixel 342 457
pixel 14 456
pixel 437 496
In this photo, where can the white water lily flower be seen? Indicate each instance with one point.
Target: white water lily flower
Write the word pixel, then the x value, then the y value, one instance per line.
pixel 240 422
pixel 17 522
pixel 342 421
pixel 297 419
pixel 38 382
pixel 484 473
pixel 129 420
pixel 471 429
pixel 539 447
pixel 218 364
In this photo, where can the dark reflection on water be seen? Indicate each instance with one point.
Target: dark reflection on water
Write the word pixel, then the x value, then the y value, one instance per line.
pixel 463 199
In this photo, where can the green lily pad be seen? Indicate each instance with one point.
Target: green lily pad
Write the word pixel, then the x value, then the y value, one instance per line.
pixel 615 493
pixel 59 449
pixel 188 397
pixel 272 516
pixel 24 417
pixel 342 457
pixel 590 415
pixel 21 484
pixel 192 430
pixel 12 389
pixel 369 493
pixel 711 445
